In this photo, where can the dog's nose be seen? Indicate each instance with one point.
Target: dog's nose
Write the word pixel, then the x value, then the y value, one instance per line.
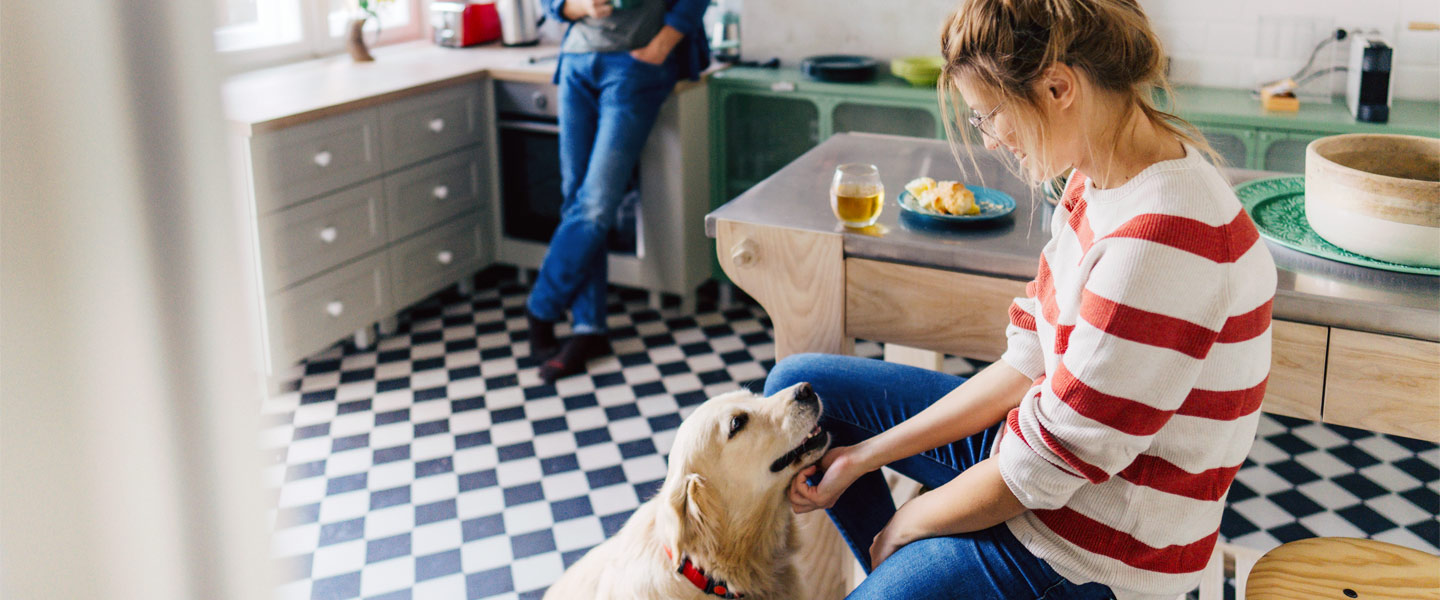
pixel 806 395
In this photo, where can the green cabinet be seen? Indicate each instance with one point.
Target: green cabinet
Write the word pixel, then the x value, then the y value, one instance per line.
pixel 1236 146
pixel 1283 151
pixel 761 119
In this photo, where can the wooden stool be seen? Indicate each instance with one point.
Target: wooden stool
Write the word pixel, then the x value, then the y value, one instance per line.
pixel 1342 568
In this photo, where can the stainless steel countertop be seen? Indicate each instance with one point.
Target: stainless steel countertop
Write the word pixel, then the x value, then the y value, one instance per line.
pixel 1310 289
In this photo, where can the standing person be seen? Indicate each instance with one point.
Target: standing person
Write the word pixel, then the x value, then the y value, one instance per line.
pixel 1094 457
pixel 616 68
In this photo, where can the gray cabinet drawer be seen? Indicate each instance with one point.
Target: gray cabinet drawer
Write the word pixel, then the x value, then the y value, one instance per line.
pixel 427 125
pixel 301 241
pixel 430 192
pixel 428 262
pixel 304 161
pixel 319 312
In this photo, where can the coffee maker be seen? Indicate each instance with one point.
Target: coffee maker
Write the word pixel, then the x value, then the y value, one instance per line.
pixel 1368 81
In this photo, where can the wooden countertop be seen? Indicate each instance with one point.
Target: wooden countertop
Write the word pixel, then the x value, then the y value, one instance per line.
pixel 278 97
pixel 269 99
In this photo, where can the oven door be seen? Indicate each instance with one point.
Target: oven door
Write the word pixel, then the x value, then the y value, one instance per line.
pixel 530 185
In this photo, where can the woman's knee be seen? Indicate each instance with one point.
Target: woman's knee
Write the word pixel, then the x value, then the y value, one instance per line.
pixel 794 369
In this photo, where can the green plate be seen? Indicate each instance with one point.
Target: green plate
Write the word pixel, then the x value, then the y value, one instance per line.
pixel 1277 206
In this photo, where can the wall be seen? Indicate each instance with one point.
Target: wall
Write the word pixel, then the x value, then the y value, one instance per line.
pixel 1212 42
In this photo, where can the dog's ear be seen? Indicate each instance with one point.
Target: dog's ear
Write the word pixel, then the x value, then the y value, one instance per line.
pixel 695 513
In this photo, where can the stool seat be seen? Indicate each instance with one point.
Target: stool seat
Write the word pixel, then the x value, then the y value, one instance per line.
pixel 1344 568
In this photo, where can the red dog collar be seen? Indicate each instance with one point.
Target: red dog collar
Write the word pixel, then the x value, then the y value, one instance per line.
pixel 697 576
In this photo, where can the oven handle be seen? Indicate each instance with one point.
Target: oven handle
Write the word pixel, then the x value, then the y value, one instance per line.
pixel 537 127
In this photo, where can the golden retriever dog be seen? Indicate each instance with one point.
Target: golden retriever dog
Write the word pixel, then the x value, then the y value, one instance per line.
pixel 721 525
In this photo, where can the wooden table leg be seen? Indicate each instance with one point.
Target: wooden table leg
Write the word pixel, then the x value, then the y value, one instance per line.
pixel 797 276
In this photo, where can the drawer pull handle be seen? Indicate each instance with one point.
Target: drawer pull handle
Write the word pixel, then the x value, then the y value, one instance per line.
pixel 441 192
pixel 445 257
pixel 743 254
pixel 328 235
pixel 437 125
pixel 335 308
pixel 322 158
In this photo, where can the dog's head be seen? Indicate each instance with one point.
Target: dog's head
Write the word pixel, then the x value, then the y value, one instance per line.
pixel 734 458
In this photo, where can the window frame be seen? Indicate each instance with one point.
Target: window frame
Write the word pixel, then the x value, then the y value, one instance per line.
pixel 315 39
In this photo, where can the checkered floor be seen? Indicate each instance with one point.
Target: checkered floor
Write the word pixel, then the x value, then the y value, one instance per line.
pixel 437 464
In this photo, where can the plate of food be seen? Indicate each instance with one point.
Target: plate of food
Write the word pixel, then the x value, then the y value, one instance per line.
pixel 953 203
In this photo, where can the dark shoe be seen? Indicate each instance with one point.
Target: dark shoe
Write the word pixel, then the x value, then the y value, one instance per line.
pixel 543 345
pixel 571 360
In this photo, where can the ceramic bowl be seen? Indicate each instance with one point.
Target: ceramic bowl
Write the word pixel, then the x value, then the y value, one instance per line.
pixel 1377 195
pixel 918 70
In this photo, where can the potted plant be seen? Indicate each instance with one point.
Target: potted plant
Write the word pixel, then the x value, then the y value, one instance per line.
pixel 355 36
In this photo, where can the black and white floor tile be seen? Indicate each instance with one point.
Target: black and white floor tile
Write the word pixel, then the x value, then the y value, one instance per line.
pixel 437 464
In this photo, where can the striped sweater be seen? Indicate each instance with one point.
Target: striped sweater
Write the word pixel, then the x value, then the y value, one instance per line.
pixel 1147 332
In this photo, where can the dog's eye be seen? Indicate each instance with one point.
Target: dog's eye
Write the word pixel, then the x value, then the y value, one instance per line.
pixel 737 423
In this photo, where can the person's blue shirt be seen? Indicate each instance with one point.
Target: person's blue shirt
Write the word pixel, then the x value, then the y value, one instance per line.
pixel 691 55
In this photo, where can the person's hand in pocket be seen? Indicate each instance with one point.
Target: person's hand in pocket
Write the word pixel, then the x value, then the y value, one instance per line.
pixel 579 9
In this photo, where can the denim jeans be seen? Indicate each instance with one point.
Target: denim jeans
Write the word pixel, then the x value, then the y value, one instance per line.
pixel 863 397
pixel 608 103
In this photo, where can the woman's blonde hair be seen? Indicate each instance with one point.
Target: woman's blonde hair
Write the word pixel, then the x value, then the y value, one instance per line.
pixel 1007 45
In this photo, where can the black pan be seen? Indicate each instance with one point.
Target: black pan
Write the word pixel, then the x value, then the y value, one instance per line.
pixel 843 68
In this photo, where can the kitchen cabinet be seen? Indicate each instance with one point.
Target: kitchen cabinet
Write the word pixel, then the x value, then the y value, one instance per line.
pixel 1236 146
pixel 767 117
pixel 361 212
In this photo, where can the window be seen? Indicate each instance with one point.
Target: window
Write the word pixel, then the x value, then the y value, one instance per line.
pixel 257 33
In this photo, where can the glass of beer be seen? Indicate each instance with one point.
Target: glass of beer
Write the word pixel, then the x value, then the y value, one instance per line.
pixel 856 194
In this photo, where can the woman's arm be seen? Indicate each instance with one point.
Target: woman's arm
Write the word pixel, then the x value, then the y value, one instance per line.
pixel 981 402
pixel 975 499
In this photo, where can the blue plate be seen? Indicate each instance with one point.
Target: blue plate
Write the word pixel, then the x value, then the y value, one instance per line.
pixel 994 204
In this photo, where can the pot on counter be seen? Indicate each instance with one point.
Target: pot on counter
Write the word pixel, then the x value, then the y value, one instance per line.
pixel 1377 195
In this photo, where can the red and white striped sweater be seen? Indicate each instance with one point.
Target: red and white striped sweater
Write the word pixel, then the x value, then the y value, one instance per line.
pixel 1147 330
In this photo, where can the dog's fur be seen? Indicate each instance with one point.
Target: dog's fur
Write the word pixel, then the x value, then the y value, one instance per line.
pixel 721 505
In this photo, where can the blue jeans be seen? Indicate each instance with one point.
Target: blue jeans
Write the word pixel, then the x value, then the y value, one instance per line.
pixel 863 397
pixel 608 103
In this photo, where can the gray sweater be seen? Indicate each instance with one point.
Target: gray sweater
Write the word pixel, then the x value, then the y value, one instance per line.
pixel 627 29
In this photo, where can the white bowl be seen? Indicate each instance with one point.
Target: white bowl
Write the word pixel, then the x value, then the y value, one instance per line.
pixel 1377 195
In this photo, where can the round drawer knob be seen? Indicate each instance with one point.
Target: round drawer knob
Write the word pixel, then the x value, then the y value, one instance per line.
pixel 540 100
pixel 322 158
pixel 743 254
pixel 445 257
pixel 328 234
pixel 441 192
pixel 437 125
pixel 334 308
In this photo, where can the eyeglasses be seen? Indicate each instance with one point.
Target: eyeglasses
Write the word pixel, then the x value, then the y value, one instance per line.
pixel 978 122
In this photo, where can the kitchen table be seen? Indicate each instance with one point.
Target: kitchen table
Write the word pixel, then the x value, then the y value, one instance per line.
pixel 1352 346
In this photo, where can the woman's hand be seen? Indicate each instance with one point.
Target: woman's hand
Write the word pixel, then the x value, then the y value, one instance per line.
pixel 842 466
pixel 579 9
pixel 901 530
pixel 659 47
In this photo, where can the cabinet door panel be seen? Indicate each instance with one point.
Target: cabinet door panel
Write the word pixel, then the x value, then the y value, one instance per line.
pixel 879 118
pixel 430 192
pixel 887 302
pixel 319 312
pixel 1234 145
pixel 417 128
pixel 1383 383
pixel 428 262
pixel 1284 152
pixel 301 162
pixel 1297 370
pixel 763 134
pixel 302 241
